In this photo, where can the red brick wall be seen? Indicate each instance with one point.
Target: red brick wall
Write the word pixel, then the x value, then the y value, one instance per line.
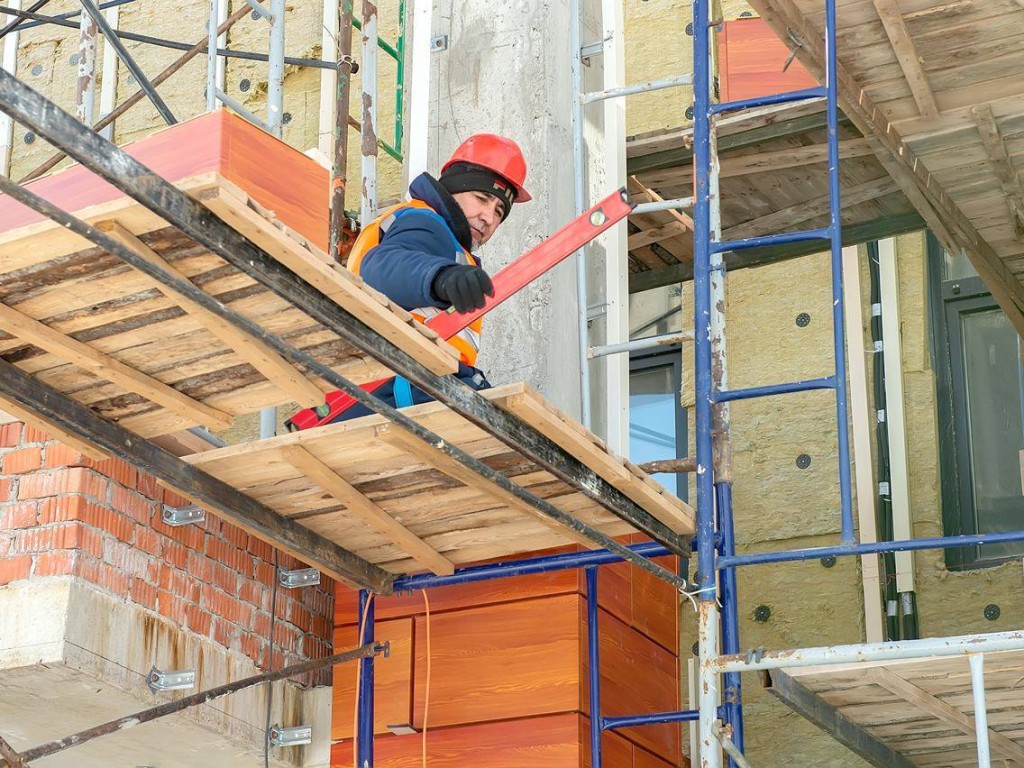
pixel 62 513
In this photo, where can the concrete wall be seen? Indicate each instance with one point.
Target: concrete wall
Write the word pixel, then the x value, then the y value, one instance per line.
pixel 507 71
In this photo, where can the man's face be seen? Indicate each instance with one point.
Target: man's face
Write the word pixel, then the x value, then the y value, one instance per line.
pixel 484 213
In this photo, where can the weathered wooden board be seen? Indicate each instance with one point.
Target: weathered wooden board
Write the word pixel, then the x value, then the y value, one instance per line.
pixel 83 321
pixel 362 474
pixel 923 708
pixel 938 86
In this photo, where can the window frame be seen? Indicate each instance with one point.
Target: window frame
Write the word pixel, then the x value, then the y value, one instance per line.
pixel 665 357
pixel 949 301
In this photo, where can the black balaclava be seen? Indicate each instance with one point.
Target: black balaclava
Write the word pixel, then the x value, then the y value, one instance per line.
pixel 467 177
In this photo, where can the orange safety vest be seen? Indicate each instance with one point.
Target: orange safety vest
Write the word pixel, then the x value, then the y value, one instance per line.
pixel 467 341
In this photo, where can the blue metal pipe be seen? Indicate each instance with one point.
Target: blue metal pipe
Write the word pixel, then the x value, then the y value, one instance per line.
pixel 684 716
pixel 847 535
pixel 874 548
pixel 765 101
pixel 747 393
pixel 364 708
pixel 732 693
pixel 525 567
pixel 706 581
pixel 743 244
pixel 593 654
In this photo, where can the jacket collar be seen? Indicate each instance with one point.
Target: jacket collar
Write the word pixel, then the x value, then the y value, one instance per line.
pixel 427 189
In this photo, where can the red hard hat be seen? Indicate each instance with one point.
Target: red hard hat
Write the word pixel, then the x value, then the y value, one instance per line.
pixel 495 153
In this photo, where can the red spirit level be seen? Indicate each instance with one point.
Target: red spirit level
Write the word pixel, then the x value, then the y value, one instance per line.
pixel 508 281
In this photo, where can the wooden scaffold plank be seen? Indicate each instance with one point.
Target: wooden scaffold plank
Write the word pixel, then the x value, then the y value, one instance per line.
pixel 921 699
pixel 250 349
pixel 198 223
pixel 360 506
pixel 109 368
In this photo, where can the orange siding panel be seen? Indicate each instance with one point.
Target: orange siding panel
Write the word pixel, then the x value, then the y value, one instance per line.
pixel 274 174
pixel 655 605
pixel 751 58
pixel 617 752
pixel 540 742
pixel 279 177
pixel 445 599
pixel 392 679
pixel 637 676
pixel 183 150
pixel 503 661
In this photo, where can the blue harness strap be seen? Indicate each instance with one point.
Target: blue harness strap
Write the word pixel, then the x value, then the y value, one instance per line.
pixel 402 390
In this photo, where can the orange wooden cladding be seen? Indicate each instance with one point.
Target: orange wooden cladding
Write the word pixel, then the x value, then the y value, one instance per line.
pixel 634 595
pixel 751 59
pixel 542 742
pixel 277 176
pixel 392 680
pixel 463 596
pixel 554 741
pixel 511 660
pixel 510 655
pixel 618 751
pixel 638 676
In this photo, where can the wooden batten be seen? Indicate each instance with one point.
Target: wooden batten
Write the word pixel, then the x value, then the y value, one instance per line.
pixel 252 350
pixel 670 510
pixel 355 502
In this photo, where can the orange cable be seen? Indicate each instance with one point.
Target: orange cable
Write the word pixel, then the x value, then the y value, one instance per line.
pixel 426 687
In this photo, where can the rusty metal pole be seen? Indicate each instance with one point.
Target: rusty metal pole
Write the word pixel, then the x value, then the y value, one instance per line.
pixel 138 96
pixel 9 754
pixel 85 95
pixel 340 237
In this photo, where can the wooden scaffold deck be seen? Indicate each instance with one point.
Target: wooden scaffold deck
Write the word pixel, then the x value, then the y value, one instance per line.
pixel 917 712
pixel 100 350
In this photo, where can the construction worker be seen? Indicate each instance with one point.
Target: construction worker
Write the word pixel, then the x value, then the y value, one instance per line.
pixel 419 253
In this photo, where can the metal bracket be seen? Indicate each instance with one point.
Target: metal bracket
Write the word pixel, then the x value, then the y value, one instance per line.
pixel 290 737
pixel 591 49
pixel 190 513
pixel 439 43
pixel 302 577
pixel 180 680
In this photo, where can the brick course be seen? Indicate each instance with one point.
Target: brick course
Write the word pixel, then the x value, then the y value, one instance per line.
pixel 63 514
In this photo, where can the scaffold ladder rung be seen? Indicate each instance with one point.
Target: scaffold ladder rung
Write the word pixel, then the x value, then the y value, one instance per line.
pixel 805 94
pixel 799 236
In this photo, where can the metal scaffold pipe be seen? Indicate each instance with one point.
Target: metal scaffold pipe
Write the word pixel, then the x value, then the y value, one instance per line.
pixel 275 71
pixel 368 144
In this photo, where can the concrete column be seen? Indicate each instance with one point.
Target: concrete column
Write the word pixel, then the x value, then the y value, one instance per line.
pixel 506 71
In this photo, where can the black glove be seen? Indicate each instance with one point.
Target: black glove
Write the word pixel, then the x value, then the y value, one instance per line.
pixel 462 286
